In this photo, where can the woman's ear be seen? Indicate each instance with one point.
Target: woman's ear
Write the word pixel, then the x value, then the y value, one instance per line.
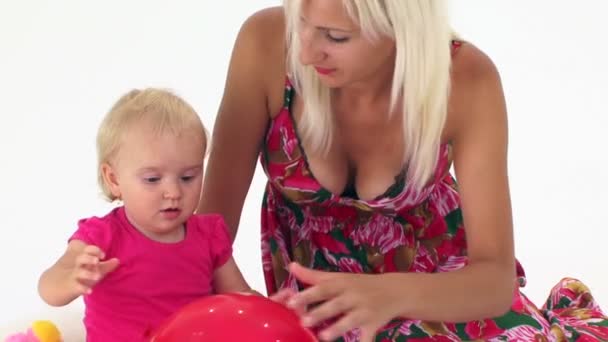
pixel 110 179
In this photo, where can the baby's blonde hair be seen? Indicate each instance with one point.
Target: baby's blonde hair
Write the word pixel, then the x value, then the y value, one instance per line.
pixel 160 108
pixel 421 78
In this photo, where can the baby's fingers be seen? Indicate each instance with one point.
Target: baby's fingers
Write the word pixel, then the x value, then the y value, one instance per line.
pixel 85 279
pixel 86 261
pixel 82 289
pixel 94 251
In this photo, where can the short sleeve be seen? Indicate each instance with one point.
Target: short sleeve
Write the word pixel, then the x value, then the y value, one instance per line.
pixel 94 231
pixel 219 243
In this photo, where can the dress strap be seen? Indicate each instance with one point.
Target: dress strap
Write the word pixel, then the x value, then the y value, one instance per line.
pixel 455 46
pixel 288 93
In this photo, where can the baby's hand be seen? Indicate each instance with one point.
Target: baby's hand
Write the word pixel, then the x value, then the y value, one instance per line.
pixel 90 269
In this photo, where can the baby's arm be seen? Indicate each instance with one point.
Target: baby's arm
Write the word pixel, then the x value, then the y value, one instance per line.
pixel 74 274
pixel 228 278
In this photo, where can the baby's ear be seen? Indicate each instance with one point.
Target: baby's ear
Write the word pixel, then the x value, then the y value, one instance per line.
pixel 110 179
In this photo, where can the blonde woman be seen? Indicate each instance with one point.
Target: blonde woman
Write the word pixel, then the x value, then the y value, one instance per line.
pixel 357 110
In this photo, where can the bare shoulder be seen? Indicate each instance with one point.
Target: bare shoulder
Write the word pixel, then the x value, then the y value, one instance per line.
pixel 266 26
pixel 263 35
pixel 472 68
pixel 476 87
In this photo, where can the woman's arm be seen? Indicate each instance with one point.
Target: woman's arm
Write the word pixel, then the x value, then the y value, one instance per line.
pixel 485 287
pixel 242 119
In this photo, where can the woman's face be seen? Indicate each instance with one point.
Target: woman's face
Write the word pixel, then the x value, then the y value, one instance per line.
pixel 335 46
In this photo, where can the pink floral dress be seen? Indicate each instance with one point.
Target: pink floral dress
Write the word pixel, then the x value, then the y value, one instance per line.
pixel 399 231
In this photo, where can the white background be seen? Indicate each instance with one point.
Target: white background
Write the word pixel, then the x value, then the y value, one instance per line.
pixel 63 63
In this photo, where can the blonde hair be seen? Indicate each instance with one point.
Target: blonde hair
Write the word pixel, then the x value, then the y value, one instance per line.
pixel 163 110
pixel 421 78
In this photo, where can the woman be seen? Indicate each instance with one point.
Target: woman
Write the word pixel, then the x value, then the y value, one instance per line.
pixel 357 109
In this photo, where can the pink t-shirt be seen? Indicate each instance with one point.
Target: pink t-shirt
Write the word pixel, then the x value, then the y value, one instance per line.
pixel 153 279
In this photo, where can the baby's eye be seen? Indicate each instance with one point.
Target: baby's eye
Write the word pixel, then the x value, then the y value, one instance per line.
pixel 187 178
pixel 151 179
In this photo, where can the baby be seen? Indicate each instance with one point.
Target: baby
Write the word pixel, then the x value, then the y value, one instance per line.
pixel 150 256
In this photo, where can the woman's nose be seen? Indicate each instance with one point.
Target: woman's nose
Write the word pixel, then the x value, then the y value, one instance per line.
pixel 310 52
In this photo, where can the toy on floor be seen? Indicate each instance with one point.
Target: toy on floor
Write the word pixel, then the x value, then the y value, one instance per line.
pixel 233 317
pixel 40 331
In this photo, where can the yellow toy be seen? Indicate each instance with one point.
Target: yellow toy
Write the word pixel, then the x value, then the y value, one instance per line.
pixel 40 331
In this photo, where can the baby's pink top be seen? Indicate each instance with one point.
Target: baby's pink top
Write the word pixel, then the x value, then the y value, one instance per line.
pixel 153 279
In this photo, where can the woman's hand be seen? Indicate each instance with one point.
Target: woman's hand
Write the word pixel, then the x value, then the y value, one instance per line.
pixel 284 297
pixel 363 301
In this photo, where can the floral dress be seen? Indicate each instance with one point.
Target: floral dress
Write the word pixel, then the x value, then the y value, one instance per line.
pixel 399 231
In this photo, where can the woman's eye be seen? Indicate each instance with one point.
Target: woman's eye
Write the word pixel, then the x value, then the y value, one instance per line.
pixel 337 39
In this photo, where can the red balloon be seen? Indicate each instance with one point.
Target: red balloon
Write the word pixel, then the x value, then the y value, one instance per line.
pixel 233 317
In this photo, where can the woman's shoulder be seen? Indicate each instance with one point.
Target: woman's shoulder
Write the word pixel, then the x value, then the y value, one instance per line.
pixel 262 41
pixel 471 65
pixel 475 81
pixel 269 16
pixel 266 29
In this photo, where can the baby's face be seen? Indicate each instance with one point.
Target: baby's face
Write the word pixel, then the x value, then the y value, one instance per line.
pixel 160 179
